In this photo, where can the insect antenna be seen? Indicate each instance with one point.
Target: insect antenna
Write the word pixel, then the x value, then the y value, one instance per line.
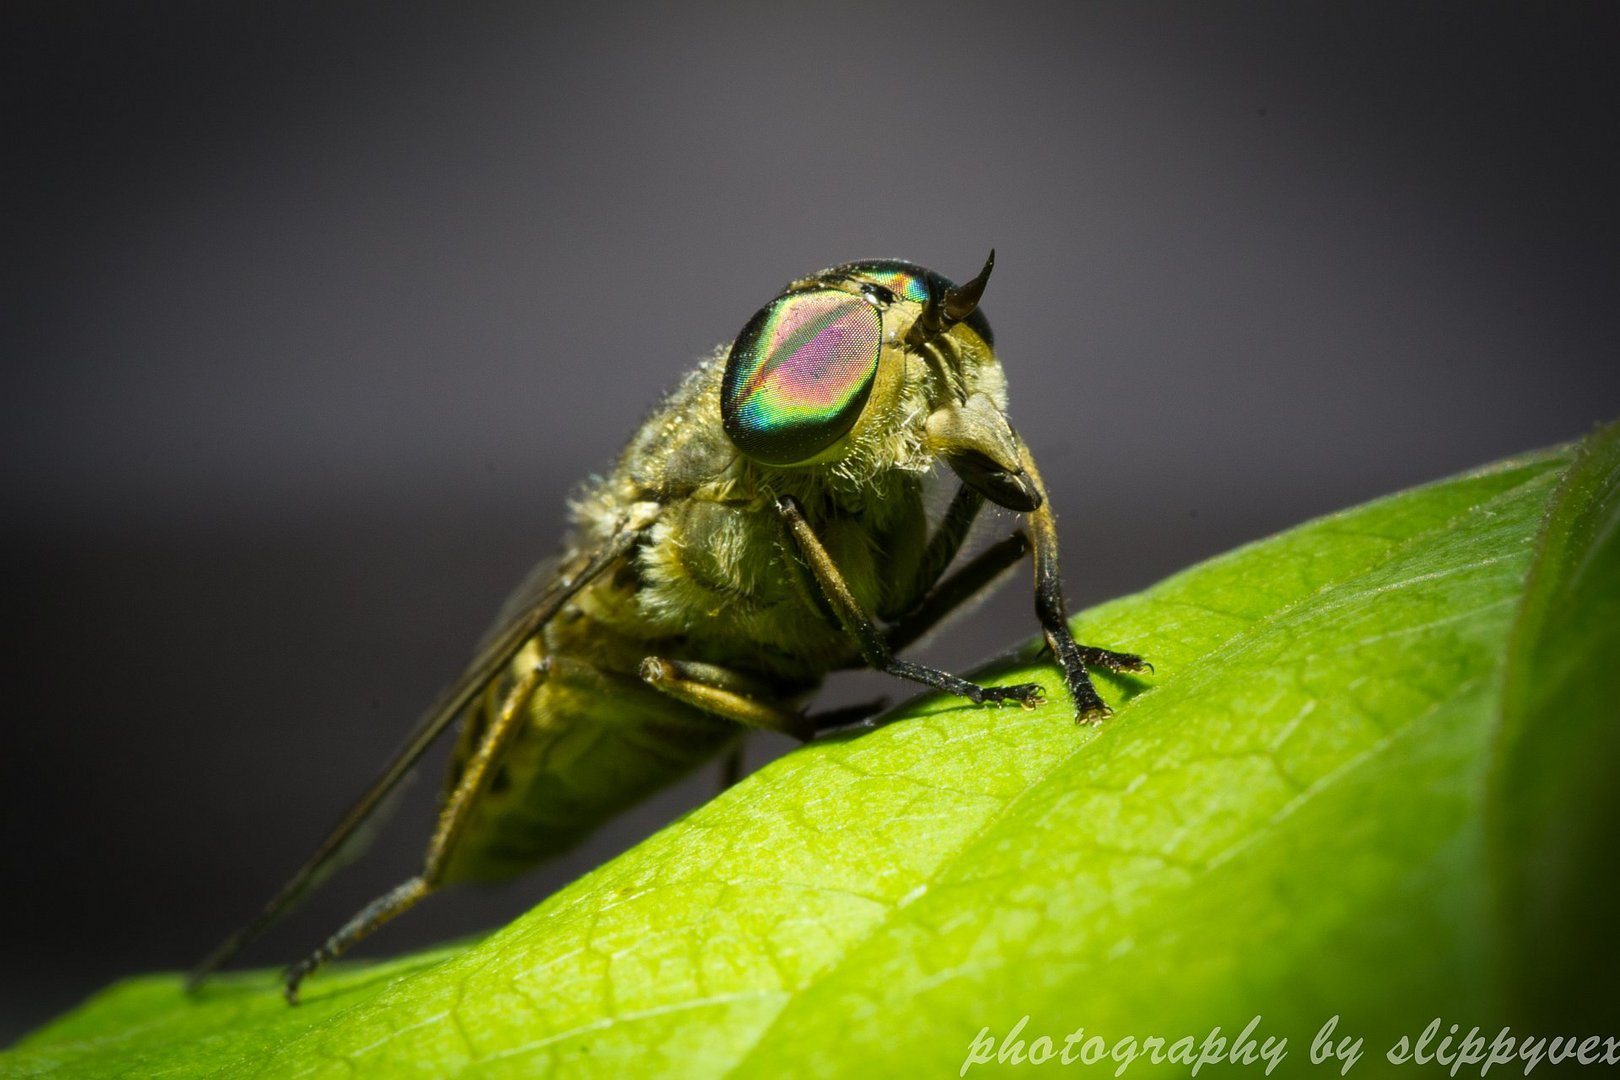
pixel 960 300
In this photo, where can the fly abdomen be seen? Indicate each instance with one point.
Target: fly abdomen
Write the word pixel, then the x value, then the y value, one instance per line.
pixel 594 742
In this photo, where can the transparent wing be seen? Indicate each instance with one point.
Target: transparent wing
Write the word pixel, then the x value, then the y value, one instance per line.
pixel 543 593
pixel 530 593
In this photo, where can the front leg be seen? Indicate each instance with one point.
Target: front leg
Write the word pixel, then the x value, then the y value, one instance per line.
pixel 938 555
pixel 979 575
pixel 865 632
pixel 1052 612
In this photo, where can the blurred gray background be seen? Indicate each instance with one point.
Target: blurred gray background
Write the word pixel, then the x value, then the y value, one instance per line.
pixel 313 314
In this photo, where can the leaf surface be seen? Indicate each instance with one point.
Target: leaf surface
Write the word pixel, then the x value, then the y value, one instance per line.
pixel 1554 803
pixel 1287 820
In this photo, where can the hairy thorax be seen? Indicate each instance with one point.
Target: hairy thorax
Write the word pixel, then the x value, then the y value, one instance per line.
pixel 714 578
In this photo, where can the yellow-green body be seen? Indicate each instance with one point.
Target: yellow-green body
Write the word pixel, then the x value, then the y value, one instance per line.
pixel 711 582
pixel 765 525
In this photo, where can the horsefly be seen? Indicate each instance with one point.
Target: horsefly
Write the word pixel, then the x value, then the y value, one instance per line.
pixel 765 526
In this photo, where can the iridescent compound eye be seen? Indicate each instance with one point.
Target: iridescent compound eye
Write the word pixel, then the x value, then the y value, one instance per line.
pixel 799 374
pixel 906 280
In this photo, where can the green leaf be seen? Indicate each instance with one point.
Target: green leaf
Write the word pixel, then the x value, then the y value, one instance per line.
pixel 1555 806
pixel 1286 821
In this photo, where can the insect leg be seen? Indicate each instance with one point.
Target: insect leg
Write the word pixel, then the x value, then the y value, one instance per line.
pixel 453 816
pixel 942 548
pixel 868 637
pixel 723 693
pixel 1052 612
pixel 977 575
pixel 516 627
pixel 732 696
pixel 731 767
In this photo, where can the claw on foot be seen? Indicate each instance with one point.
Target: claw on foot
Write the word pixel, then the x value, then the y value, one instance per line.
pixel 294 977
pixel 1114 661
pixel 1093 714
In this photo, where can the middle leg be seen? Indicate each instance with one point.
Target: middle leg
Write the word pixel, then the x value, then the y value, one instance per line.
pixel 864 630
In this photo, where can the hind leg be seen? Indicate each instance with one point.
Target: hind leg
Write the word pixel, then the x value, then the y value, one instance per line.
pixel 453 818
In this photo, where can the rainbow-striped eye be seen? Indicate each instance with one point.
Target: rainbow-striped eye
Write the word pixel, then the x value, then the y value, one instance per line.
pixel 908 281
pixel 799 374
